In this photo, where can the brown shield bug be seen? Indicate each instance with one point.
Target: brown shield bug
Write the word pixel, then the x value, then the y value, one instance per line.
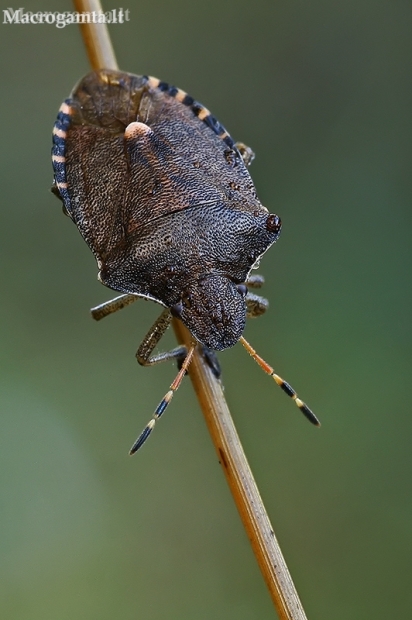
pixel 162 196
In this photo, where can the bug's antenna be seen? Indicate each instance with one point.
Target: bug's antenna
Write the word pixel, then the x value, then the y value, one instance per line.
pixel 161 407
pixel 281 383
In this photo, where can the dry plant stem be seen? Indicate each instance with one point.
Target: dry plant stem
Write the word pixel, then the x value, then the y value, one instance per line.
pixel 216 411
pixel 96 38
pixel 242 484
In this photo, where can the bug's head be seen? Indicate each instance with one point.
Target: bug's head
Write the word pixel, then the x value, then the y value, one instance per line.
pixel 214 310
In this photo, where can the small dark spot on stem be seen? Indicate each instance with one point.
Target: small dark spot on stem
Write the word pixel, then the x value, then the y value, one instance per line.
pixel 223 458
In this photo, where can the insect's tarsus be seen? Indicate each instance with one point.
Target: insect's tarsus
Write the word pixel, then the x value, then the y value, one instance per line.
pixel 288 389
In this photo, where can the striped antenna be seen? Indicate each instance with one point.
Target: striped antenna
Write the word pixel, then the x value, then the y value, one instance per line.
pixel 281 383
pixel 160 409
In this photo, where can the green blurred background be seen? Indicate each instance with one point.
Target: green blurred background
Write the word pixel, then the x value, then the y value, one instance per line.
pixel 322 92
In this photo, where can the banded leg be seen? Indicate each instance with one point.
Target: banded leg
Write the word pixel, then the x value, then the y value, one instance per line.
pixel 288 389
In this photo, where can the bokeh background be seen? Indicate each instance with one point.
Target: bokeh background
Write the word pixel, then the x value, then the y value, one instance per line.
pixel 322 92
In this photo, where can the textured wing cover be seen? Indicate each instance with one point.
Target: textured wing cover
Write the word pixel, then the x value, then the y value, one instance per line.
pixel 161 196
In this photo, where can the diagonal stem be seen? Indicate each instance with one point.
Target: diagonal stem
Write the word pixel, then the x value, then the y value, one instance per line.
pixel 242 484
pixel 211 399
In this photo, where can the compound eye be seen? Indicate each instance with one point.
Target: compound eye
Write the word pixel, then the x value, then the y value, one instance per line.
pixel 273 223
pixel 242 288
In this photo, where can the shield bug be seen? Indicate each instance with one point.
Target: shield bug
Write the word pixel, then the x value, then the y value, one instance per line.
pixel 162 196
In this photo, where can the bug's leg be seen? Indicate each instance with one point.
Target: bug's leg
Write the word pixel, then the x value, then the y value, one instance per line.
pixel 212 360
pixel 160 409
pixel 255 280
pixel 281 383
pixel 255 305
pixel 246 153
pixel 108 307
pixel 144 352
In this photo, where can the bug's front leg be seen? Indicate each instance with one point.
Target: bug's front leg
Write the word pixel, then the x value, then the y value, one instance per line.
pixel 144 352
pixel 145 357
pixel 255 280
pixel 108 307
pixel 255 305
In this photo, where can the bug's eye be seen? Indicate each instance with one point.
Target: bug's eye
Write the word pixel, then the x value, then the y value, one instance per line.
pixel 242 288
pixel 273 223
